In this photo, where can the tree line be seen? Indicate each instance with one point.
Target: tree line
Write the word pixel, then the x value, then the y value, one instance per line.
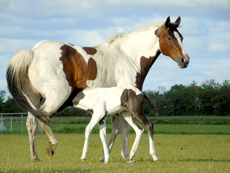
pixel 210 98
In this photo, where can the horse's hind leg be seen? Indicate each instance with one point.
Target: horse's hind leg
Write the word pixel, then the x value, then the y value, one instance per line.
pixel 31 124
pixel 53 141
pixel 138 130
pixel 149 127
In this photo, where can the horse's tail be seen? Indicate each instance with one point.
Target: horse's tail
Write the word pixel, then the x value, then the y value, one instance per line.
pixel 16 76
pixel 151 103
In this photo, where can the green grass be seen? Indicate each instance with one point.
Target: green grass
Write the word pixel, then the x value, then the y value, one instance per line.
pixel 158 129
pixel 163 125
pixel 214 120
pixel 177 153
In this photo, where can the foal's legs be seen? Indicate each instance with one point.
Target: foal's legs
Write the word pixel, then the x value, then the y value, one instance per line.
pixel 116 121
pixel 115 130
pixel 102 127
pixel 138 130
pixel 96 117
pixel 124 133
pixel 149 127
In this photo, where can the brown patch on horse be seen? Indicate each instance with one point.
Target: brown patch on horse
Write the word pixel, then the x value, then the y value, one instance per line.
pixel 77 98
pixel 90 50
pixel 146 64
pixel 76 70
pixel 92 69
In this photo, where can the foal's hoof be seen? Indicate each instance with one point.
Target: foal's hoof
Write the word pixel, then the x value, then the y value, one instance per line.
pixel 131 161
pixel 49 153
pixel 36 160
pixel 102 159
pixel 82 160
pixel 155 159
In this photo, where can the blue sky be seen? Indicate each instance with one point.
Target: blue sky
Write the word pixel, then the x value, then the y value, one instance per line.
pixel 205 26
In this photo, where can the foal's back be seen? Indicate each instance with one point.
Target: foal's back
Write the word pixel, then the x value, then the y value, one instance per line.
pixel 110 100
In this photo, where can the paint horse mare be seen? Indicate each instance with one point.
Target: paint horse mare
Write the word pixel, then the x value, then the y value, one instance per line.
pixel 58 72
pixel 101 102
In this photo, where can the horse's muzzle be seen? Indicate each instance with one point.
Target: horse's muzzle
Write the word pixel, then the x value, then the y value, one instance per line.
pixel 184 62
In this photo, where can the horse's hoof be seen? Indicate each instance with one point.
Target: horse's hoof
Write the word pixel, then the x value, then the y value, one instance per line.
pixel 49 153
pixel 82 160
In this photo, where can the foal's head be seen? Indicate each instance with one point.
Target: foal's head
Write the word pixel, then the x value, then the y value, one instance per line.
pixel 170 40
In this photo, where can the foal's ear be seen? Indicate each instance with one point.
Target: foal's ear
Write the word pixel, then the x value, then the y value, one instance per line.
pixel 177 23
pixel 167 23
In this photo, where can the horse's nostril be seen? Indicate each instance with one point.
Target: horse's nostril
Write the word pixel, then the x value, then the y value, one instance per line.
pixel 182 59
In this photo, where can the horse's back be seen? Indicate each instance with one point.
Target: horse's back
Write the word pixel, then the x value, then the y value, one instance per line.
pixel 48 44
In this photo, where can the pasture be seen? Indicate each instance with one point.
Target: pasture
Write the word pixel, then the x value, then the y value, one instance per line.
pixel 177 153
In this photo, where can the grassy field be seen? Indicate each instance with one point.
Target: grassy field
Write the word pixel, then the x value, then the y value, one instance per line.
pixel 177 153
pixel 163 125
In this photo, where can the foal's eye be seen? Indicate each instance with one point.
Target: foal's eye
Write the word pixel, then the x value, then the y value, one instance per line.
pixel 169 38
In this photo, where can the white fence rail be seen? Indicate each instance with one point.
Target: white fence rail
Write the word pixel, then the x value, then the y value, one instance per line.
pixel 14 123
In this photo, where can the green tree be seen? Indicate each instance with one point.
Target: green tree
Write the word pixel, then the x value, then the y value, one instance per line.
pixel 2 98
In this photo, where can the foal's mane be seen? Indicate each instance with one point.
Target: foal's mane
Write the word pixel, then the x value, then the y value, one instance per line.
pixel 122 35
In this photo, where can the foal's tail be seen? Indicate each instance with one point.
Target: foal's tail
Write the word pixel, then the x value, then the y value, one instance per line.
pixel 16 76
pixel 151 103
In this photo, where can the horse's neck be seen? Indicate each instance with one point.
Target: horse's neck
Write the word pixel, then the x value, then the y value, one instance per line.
pixel 142 48
pixel 142 43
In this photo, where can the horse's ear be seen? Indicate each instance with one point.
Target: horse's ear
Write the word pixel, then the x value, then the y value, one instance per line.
pixel 167 22
pixel 177 23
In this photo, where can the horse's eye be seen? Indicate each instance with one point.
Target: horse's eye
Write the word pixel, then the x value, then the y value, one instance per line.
pixel 169 38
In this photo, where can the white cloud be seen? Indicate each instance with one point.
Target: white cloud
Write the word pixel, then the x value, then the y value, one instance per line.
pixel 217 68
pixel 218 47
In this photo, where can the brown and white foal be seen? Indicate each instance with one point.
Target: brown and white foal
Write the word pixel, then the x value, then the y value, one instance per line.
pixel 101 102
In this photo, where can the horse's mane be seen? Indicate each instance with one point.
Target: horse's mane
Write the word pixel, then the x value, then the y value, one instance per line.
pixel 122 35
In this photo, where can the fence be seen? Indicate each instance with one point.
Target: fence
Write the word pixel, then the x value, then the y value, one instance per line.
pixel 15 123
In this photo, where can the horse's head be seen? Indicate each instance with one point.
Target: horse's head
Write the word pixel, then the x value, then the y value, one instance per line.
pixel 170 40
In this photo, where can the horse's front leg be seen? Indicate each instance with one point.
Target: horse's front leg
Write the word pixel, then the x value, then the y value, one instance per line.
pixel 53 141
pixel 31 124
pixel 102 127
